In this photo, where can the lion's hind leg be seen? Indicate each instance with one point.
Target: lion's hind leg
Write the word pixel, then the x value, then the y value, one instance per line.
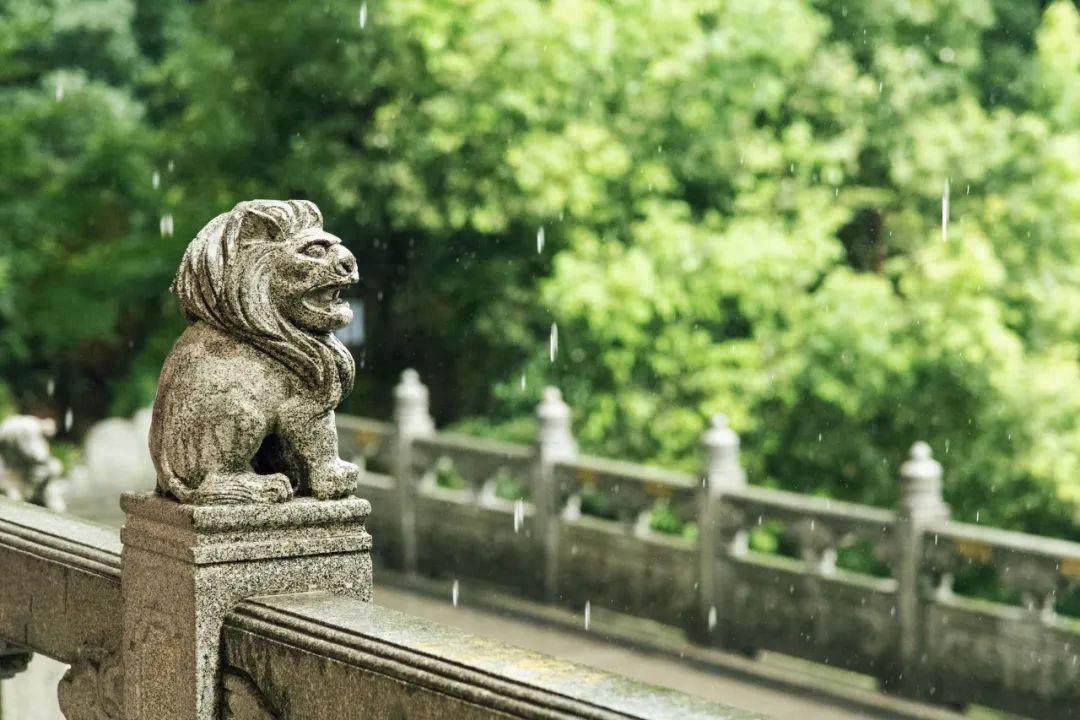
pixel 241 488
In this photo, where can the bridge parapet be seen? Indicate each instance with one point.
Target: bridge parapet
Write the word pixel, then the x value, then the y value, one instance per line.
pixel 883 592
pixel 300 655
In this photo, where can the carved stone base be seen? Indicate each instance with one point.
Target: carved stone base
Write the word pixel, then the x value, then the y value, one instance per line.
pixel 185 567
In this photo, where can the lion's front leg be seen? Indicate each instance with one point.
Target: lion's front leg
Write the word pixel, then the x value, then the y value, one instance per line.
pixel 313 444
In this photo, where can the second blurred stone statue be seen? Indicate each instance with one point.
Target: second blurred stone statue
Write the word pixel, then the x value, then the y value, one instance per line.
pixel 27 467
pixel 245 404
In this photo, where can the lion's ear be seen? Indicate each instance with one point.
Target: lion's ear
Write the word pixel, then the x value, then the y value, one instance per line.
pixel 309 212
pixel 256 224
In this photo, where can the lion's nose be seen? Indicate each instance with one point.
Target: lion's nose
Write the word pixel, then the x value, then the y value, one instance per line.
pixel 345 264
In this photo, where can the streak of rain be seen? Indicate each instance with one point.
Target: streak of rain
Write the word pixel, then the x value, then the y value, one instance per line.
pixel 945 212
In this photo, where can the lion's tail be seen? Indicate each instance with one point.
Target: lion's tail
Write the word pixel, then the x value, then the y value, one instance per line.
pixel 168 483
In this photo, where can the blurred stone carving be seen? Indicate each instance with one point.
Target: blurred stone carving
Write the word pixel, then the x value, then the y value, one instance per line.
pixel 245 404
pixel 26 465
pixel 92 688
pixel 241 700
pixel 116 456
pixel 13 660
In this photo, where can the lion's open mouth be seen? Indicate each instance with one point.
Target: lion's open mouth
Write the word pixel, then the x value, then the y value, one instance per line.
pixel 326 298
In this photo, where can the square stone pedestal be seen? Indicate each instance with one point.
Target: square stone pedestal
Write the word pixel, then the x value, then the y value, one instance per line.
pixel 185 567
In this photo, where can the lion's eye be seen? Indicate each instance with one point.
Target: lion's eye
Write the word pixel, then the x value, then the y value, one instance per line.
pixel 315 251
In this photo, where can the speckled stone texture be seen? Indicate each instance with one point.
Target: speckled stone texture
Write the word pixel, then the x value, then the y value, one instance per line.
pixel 245 403
pixel 186 566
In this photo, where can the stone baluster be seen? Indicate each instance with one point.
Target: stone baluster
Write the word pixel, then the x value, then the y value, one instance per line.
pixel 554 443
pixel 921 505
pixel 718 537
pixel 412 420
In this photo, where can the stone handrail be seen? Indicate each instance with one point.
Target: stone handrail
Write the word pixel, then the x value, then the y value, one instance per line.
pixel 895 617
pixel 478 460
pixel 306 655
pixel 329 651
pixel 634 490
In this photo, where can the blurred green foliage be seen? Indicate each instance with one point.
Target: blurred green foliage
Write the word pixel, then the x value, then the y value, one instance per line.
pixel 741 205
pixel 510 487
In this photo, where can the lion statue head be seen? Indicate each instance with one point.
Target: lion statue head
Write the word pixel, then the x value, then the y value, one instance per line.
pixel 267 273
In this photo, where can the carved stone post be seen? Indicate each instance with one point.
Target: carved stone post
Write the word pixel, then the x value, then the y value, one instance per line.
pixel 411 420
pixel 184 567
pixel 723 473
pixel 920 506
pixel 554 443
pixel 252 497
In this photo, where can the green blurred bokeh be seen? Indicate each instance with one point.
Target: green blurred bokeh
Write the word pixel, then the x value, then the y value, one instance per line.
pixel 740 205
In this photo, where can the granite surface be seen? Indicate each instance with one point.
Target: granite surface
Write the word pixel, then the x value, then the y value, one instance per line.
pixel 244 411
pixel 184 568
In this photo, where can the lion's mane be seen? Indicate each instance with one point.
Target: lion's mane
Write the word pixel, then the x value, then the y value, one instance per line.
pixel 224 280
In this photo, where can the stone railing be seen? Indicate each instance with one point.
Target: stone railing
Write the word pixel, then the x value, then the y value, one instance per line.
pixel 543 522
pixel 262 613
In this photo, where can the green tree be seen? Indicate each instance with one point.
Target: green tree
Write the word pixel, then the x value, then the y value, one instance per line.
pixel 712 206
pixel 78 221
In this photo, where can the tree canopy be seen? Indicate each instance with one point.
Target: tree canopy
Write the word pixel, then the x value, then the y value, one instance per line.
pixel 846 225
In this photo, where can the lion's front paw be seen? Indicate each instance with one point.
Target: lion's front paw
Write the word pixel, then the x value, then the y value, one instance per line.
pixel 337 480
pixel 242 489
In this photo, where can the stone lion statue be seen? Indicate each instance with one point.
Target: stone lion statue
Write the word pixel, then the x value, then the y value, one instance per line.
pixel 27 466
pixel 245 403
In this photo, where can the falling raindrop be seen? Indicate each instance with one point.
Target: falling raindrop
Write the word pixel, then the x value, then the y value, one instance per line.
pixel 59 91
pixel 553 343
pixel 454 593
pixel 588 613
pixel 945 212
pixel 540 240
pixel 156 180
pixel 50 387
pixel 69 417
pixel 522 382
pixel 712 617
pixel 363 15
pixel 519 515
pixel 166 225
